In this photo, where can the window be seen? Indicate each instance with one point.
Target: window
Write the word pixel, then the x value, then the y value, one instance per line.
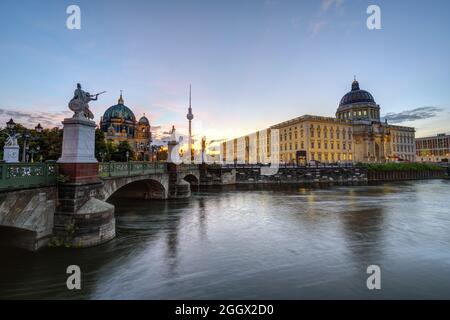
pixel 325 145
pixel 318 145
pixel 343 146
pixel 312 144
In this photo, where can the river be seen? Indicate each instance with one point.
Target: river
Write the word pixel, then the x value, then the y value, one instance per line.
pixel 293 243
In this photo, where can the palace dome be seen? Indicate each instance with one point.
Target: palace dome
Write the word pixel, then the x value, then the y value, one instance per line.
pixel 119 111
pixel 356 95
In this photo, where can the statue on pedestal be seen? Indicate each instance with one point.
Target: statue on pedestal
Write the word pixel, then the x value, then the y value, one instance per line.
pixel 11 141
pixel 79 103
pixel 11 148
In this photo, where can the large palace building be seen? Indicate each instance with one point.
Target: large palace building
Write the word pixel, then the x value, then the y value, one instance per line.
pixel 433 149
pixel 356 134
pixel 119 124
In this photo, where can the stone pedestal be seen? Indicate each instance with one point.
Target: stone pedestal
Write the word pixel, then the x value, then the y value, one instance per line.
pixel 81 220
pixel 178 188
pixel 78 162
pixel 11 153
pixel 173 152
pixel 78 141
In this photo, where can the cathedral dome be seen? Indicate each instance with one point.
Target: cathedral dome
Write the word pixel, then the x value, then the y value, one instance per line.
pixel 119 111
pixel 356 95
pixel 143 120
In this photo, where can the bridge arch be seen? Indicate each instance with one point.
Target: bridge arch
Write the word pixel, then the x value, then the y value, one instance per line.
pixel 138 187
pixel 191 178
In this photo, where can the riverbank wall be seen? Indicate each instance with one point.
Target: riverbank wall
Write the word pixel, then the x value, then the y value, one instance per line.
pixel 311 176
pixel 402 175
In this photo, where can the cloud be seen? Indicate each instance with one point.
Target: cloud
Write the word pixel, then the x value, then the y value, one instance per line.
pixel 31 119
pixel 328 4
pixel 412 115
pixel 323 16
pixel 270 3
pixel 318 26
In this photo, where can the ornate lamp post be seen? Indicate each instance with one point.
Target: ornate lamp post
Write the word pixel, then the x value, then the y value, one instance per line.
pixel 11 125
pixel 38 128
pixel 26 136
pixel 102 155
pixel 33 151
pixel 127 154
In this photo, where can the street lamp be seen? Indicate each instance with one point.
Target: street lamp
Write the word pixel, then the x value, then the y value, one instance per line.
pixel 26 136
pixel 38 128
pixel 11 125
pixel 33 151
pixel 127 154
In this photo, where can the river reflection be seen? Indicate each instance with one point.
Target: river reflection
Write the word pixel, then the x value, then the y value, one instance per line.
pixel 295 243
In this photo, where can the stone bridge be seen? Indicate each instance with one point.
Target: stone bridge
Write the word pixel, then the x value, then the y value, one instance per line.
pixel 36 203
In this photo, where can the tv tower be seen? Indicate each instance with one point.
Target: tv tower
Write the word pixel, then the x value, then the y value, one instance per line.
pixel 190 116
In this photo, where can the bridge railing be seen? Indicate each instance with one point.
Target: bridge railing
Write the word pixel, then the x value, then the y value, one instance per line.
pixel 27 175
pixel 188 166
pixel 123 169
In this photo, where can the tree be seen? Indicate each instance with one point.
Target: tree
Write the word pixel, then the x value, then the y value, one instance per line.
pixel 50 143
pixel 101 148
pixel 120 153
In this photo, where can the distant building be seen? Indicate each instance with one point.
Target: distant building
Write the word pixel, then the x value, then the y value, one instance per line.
pixel 119 124
pixel 433 149
pixel 356 134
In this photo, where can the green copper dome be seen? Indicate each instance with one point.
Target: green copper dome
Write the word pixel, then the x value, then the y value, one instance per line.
pixel 120 111
pixel 144 120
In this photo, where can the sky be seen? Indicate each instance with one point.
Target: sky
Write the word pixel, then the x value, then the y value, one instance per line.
pixel 251 63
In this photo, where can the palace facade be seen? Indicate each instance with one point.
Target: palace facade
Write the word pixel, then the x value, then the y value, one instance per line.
pixel 356 134
pixel 119 124
pixel 433 149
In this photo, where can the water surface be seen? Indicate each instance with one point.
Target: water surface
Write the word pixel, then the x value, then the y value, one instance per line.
pixel 257 244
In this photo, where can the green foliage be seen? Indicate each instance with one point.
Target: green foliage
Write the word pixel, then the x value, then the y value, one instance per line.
pixel 62 178
pixel 395 166
pixel 101 148
pixel 50 142
pixel 119 154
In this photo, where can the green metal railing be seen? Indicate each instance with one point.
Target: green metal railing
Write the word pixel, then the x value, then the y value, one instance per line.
pixel 27 175
pixel 123 169
pixel 188 166
pixel 32 175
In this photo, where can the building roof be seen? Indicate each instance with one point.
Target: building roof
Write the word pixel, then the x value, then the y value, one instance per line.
pixel 356 95
pixel 144 120
pixel 119 111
